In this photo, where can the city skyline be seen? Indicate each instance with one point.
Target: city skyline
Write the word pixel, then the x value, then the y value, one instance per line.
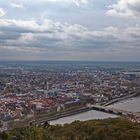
pixel 70 30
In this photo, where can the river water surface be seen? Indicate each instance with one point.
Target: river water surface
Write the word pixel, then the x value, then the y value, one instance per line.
pixel 132 104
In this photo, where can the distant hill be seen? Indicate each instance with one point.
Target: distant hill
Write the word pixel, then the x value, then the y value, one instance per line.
pixel 108 129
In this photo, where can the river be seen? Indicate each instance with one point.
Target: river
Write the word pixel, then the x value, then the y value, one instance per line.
pixel 132 104
pixel 89 115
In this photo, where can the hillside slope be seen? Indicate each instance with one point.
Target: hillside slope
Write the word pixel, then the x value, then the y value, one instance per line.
pixel 109 129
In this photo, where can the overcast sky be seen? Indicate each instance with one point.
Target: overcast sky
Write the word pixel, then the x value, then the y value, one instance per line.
pixel 94 30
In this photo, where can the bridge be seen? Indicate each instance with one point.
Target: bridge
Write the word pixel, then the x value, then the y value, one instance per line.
pixel 132 116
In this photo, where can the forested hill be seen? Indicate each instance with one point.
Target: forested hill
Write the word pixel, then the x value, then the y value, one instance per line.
pixel 109 129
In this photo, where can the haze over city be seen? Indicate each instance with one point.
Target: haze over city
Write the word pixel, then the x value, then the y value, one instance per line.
pixel 95 30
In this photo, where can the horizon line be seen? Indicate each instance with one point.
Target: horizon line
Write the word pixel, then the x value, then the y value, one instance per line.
pixel 70 61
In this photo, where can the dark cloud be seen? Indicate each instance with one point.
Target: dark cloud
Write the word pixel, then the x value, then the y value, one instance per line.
pixel 55 36
pixel 71 32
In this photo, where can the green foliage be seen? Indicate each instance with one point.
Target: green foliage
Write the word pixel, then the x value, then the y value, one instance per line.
pixel 109 129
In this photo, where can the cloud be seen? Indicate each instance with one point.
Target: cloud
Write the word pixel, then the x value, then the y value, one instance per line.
pixel 68 31
pixel 50 38
pixel 125 8
pixel 15 5
pixel 2 13
pixel 76 2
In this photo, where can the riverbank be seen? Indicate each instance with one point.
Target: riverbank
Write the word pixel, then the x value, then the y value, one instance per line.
pixel 79 113
pixel 93 114
pixel 85 130
pixel 120 99
pixel 130 104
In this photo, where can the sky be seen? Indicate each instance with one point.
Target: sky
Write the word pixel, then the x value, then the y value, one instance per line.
pixel 94 30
